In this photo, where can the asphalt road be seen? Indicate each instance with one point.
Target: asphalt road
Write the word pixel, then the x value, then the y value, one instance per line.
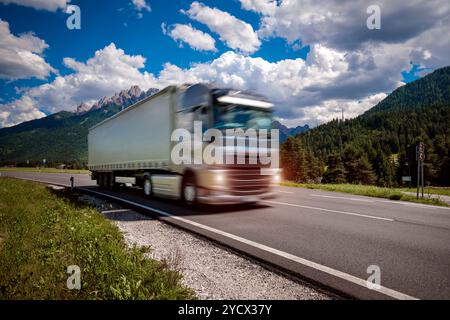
pixel 329 237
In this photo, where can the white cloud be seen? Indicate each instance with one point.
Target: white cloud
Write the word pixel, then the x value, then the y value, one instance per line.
pixel 21 56
pixel 49 5
pixel 236 33
pixel 342 24
pixel 195 38
pixel 298 87
pixel 410 29
pixel 332 109
pixel 373 59
pixel 108 71
pixel 23 109
pixel 141 5
pixel 303 91
pixel 267 7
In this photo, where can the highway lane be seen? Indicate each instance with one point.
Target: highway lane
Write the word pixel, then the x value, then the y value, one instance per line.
pixel 409 242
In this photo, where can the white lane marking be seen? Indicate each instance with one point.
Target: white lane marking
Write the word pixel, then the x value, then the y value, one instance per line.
pixel 116 211
pixel 284 191
pixel 401 202
pixel 345 276
pixel 344 198
pixel 330 210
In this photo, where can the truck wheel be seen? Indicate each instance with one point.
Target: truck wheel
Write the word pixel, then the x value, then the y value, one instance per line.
pixel 189 191
pixel 110 181
pixel 101 178
pixel 147 186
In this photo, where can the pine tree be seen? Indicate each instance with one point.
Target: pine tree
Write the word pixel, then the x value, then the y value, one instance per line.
pixel 289 159
pixel 335 172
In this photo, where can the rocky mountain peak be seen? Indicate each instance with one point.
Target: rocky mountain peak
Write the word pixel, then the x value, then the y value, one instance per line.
pixel 124 98
pixel 82 108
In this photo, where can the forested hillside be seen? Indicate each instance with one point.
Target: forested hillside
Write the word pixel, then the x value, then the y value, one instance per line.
pixel 378 147
pixel 59 138
pixel 62 137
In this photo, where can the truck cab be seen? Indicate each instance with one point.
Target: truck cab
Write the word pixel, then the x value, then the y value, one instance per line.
pixel 226 109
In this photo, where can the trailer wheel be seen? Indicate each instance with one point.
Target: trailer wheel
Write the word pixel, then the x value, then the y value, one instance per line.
pixel 147 186
pixel 101 178
pixel 189 190
pixel 110 181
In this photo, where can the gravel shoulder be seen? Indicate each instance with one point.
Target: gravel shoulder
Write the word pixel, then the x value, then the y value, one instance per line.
pixel 212 271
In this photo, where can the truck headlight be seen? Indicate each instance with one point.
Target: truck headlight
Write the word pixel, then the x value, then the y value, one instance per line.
pixel 277 178
pixel 220 178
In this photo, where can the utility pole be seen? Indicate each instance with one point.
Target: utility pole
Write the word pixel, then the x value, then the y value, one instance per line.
pixel 420 157
pixel 418 170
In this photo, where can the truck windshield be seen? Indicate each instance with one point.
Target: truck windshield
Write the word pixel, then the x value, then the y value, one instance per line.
pixel 245 117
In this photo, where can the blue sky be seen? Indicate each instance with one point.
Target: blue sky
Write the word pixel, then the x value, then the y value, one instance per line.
pixel 118 22
pixel 312 59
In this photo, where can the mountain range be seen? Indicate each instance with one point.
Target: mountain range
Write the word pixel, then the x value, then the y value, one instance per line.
pixel 286 132
pixel 62 137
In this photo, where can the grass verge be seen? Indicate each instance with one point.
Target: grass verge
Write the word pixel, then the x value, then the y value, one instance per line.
pixel 47 170
pixel 366 190
pixel 42 234
pixel 442 191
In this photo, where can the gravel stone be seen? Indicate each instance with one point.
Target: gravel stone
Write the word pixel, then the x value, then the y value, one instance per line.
pixel 210 270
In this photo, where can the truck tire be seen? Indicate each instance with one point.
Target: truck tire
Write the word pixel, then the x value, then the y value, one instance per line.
pixel 189 191
pixel 109 181
pixel 147 186
pixel 101 180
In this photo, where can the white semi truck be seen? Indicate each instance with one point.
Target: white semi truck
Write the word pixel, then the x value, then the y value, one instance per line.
pixel 134 146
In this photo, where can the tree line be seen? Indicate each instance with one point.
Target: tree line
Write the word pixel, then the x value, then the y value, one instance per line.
pixel 375 148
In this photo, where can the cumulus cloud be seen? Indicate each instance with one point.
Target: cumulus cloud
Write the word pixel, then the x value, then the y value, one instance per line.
pixel 236 33
pixel 21 56
pixel 49 5
pixel 342 24
pixel 299 88
pixel 195 38
pixel 372 60
pixel 141 5
pixel 23 109
pixel 303 91
pixel 328 110
pixel 267 7
pixel 335 76
pixel 408 32
pixel 108 71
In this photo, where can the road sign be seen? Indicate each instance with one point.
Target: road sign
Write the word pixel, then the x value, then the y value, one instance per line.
pixel 422 151
pixel 406 178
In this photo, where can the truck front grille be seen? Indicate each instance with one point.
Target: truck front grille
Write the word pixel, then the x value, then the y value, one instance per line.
pixel 241 181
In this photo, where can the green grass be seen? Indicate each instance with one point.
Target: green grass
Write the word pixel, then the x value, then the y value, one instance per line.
pixel 366 190
pixel 443 191
pixel 42 169
pixel 42 233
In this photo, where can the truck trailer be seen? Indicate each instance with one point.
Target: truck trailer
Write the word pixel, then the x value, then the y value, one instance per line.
pixel 134 146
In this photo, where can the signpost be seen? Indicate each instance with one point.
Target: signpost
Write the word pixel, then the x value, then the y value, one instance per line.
pixel 420 157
